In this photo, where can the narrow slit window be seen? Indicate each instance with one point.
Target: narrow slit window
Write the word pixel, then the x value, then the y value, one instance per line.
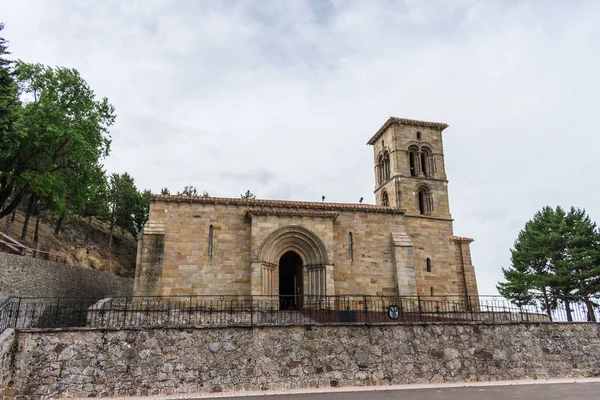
pixel 350 247
pixel 418 135
pixel 428 262
pixel 210 241
pixel 431 291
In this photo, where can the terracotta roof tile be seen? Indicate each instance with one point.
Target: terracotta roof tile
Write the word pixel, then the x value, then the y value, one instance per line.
pixel 314 205
pixel 394 120
pixel 463 239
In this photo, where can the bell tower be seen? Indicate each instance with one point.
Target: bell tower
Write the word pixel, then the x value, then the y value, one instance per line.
pixel 409 167
pixel 410 175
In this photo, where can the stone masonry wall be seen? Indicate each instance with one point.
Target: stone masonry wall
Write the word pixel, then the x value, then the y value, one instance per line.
pixel 469 280
pixel 31 277
pixel 432 238
pixel 188 269
pixel 7 352
pixel 91 363
pixel 372 270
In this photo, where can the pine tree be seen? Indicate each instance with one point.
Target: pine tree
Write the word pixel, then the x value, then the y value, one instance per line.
pixel 248 195
pixel 10 134
pixel 582 259
pixel 555 260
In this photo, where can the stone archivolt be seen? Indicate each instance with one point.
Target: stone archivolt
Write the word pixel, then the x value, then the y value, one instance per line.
pixel 305 244
pixel 294 238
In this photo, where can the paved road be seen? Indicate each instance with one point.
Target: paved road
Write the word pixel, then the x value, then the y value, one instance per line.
pixel 559 391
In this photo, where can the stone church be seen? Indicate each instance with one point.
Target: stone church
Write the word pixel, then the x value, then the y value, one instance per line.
pixel 404 245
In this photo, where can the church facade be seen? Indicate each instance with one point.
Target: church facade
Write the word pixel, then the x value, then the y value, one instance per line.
pixel 404 245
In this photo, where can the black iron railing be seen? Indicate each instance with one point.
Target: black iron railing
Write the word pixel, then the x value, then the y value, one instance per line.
pixel 231 310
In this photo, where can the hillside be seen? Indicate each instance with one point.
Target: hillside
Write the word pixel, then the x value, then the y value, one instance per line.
pixel 92 253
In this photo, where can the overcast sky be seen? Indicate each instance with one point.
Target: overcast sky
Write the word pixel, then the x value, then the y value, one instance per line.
pixel 281 97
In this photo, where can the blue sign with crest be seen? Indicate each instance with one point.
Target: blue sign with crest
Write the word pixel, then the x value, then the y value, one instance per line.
pixel 393 312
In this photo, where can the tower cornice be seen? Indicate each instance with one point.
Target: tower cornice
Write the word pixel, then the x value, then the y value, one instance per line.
pixel 404 121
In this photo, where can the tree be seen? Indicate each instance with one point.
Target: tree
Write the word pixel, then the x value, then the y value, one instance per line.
pixel 10 134
pixel 142 211
pixel 191 191
pixel 129 208
pixel 63 129
pixel 96 202
pixel 248 195
pixel 165 191
pixel 83 189
pixel 123 202
pixel 188 191
pixel 581 264
pixel 555 259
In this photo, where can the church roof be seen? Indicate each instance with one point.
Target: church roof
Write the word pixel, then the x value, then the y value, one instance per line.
pixel 311 205
pixel 463 239
pixel 292 213
pixel 394 120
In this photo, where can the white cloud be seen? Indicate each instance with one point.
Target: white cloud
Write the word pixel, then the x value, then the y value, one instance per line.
pixel 281 97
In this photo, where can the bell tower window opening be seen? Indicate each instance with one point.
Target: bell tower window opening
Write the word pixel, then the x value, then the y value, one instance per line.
pixel 385 200
pixel 426 164
pixel 413 158
pixel 210 241
pixel 425 200
pixel 350 247
pixel 380 170
pixel 386 165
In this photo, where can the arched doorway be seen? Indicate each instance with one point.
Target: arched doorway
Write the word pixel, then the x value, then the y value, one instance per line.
pixel 293 252
pixel 291 281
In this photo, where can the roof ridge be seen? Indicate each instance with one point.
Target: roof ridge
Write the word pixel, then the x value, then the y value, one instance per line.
pixel 297 212
pixel 275 203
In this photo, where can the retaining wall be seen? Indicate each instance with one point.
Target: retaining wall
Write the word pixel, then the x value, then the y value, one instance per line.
pixel 31 277
pixel 91 363
pixel 7 352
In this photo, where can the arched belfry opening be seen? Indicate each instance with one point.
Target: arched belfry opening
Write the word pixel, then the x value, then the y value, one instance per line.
pixel 291 281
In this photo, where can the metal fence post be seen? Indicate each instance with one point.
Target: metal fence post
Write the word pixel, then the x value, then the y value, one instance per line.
pixel 401 308
pixel 17 313
pixel 125 313
pixel 366 307
pixel 251 311
pixel 471 307
pixel 56 313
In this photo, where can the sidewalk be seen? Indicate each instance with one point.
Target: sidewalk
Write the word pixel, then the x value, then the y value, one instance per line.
pixel 354 389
